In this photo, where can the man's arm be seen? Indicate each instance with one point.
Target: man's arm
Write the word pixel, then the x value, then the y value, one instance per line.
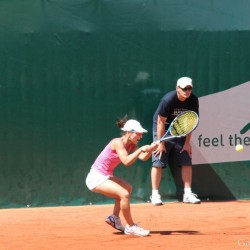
pixel 160 132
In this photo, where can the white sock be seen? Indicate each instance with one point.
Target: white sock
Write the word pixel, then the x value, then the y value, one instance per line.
pixel 155 192
pixel 131 225
pixel 187 191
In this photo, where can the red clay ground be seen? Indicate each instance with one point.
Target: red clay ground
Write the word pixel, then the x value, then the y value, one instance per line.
pixel 210 225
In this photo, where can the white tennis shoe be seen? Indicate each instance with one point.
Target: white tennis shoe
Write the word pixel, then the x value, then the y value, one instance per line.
pixel 191 198
pixel 115 222
pixel 136 230
pixel 156 199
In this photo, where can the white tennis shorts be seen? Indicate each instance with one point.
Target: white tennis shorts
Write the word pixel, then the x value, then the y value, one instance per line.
pixel 95 178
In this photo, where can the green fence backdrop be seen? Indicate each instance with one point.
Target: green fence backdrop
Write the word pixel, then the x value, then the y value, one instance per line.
pixel 70 68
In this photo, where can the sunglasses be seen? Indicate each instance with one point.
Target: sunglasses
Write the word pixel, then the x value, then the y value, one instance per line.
pixel 186 89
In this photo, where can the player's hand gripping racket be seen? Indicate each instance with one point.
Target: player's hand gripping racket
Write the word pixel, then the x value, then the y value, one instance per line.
pixel 181 126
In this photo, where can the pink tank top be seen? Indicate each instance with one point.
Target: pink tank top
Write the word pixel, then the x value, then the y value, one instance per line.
pixel 107 161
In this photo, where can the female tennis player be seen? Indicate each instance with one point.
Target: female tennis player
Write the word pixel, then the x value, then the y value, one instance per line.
pixel 101 179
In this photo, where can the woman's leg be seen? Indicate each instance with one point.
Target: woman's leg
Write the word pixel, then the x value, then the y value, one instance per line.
pixel 120 190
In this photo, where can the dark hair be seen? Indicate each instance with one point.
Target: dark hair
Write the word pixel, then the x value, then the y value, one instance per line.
pixel 121 122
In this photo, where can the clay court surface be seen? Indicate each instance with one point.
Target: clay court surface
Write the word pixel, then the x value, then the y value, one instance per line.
pixel 209 225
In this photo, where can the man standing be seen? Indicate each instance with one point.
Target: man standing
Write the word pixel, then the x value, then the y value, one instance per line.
pixel 172 104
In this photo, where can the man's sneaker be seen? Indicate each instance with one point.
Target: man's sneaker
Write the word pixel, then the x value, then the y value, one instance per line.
pixel 156 199
pixel 115 222
pixel 136 230
pixel 191 198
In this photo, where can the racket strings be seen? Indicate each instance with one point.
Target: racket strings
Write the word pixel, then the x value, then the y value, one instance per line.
pixel 184 124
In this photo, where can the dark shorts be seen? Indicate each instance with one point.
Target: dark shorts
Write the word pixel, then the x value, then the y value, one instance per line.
pixel 173 147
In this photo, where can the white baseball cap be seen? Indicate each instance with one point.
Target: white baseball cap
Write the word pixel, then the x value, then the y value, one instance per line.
pixel 184 82
pixel 133 126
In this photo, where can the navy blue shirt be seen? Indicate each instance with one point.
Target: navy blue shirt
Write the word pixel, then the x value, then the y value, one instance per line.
pixel 170 106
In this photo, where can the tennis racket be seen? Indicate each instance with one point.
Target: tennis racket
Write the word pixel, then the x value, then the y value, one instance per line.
pixel 181 126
